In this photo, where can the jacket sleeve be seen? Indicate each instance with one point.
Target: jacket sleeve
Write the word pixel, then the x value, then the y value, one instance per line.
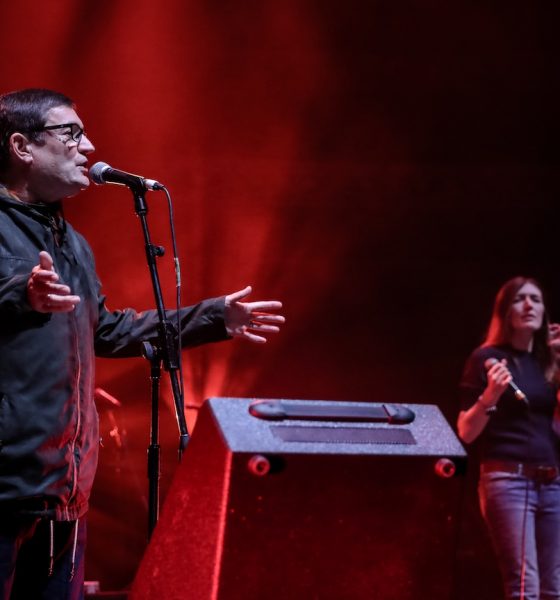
pixel 121 333
pixel 15 310
pixel 13 288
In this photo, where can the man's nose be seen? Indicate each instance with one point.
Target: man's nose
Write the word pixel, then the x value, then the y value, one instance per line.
pixel 85 146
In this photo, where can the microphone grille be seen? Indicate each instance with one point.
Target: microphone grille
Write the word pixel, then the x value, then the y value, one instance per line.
pixel 96 172
pixel 490 362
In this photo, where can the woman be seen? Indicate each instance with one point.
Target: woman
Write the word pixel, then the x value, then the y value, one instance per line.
pixel 519 487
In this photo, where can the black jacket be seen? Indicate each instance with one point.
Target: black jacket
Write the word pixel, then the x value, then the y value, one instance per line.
pixel 48 422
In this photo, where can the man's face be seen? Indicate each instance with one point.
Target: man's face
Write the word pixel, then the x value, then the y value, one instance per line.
pixel 58 168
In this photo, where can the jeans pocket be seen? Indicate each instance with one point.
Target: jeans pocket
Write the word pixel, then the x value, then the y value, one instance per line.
pixel 501 487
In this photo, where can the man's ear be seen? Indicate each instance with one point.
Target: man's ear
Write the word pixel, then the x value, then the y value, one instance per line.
pixel 20 148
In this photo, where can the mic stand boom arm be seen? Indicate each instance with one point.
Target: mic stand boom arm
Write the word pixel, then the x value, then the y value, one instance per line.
pixel 167 352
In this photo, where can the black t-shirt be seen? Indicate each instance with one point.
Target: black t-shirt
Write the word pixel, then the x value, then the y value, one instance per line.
pixel 517 431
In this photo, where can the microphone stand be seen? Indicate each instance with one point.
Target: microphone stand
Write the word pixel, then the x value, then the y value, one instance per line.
pixel 167 352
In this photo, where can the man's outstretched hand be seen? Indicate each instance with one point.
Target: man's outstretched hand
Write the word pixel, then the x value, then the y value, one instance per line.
pixel 44 293
pixel 251 319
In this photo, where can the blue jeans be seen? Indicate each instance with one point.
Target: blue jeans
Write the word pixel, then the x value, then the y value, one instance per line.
pixel 25 559
pixel 507 500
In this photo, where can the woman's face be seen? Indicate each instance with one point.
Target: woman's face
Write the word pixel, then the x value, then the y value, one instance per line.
pixel 527 309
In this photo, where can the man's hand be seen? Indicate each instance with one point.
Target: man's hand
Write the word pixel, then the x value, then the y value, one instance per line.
pixel 44 294
pixel 243 319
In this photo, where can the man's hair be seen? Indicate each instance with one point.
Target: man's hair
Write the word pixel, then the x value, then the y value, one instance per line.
pixel 25 111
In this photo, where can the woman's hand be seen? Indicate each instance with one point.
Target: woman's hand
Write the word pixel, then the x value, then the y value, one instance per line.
pixel 472 422
pixel 499 377
pixel 554 340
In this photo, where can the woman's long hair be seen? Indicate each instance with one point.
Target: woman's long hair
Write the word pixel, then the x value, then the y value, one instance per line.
pixel 500 331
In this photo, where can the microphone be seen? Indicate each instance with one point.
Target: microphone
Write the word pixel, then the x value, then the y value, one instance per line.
pixel 490 362
pixel 102 173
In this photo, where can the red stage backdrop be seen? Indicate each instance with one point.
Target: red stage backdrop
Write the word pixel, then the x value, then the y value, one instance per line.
pixel 379 167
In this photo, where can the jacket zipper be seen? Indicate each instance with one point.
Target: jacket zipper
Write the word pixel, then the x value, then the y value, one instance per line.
pixel 79 415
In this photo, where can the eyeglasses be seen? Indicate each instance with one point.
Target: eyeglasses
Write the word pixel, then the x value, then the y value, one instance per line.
pixel 74 130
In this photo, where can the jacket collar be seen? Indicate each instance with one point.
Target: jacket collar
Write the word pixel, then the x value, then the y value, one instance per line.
pixel 41 212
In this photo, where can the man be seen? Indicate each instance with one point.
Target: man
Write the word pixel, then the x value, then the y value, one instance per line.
pixel 53 321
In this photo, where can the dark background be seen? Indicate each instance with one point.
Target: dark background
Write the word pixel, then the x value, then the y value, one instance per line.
pixel 380 167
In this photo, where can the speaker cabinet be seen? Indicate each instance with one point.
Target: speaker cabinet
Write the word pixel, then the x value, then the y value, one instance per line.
pixel 299 508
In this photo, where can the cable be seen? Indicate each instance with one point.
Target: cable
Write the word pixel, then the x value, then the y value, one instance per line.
pixel 178 284
pixel 523 573
pixel 524 541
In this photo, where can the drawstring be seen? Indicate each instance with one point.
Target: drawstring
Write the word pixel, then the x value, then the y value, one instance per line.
pixel 51 548
pixel 74 549
pixel 74 546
